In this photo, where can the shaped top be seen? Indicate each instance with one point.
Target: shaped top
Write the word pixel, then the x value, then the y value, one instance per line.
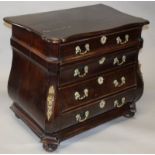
pixel 66 25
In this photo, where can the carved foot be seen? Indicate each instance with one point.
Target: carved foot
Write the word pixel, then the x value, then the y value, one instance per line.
pixel 131 112
pixel 50 144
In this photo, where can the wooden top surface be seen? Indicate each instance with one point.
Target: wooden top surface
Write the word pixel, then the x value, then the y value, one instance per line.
pixel 66 25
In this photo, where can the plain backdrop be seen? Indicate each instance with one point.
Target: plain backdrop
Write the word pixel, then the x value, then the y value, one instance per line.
pixel 136 135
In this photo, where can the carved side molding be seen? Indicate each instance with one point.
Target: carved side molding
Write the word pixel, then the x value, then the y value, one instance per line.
pixel 140 83
pixel 50 101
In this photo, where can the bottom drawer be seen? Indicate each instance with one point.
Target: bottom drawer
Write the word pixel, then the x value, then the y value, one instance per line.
pixel 84 113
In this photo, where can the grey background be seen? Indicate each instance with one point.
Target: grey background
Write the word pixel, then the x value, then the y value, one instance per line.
pixel 118 136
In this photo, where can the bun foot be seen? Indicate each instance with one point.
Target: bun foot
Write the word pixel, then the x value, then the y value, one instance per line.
pixel 131 112
pixel 50 144
pixel 50 147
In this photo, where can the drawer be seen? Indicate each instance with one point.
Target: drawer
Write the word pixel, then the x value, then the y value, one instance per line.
pixel 84 113
pixel 105 84
pixel 85 69
pixel 88 46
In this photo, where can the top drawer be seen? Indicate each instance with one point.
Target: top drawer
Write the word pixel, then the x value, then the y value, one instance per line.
pixel 108 41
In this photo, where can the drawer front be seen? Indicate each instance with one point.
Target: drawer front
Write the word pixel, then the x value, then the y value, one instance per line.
pixel 85 69
pixel 102 85
pixel 100 106
pixel 89 46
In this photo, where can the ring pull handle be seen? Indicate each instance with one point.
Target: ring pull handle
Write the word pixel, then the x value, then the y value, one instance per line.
pixel 77 72
pixel 79 97
pixel 79 118
pixel 119 40
pixel 117 62
pixel 118 104
pixel 117 84
pixel 80 52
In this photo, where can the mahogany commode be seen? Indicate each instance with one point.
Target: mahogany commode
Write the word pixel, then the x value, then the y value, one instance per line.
pixel 74 69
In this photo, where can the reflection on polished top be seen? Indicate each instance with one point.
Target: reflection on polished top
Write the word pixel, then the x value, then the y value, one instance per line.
pixel 64 24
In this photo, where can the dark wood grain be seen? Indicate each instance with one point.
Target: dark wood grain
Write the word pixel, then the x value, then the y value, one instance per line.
pixel 95 90
pixel 44 57
pixel 68 49
pixel 77 22
pixel 94 68
pixel 69 117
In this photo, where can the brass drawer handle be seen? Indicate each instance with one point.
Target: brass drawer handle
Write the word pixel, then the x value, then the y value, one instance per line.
pixel 80 52
pixel 119 104
pixel 77 72
pixel 117 84
pixel 79 97
pixel 117 61
pixel 79 118
pixel 119 40
pixel 102 60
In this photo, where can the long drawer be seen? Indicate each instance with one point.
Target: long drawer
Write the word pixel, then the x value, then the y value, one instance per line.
pixel 97 87
pixel 85 69
pixel 88 46
pixel 83 113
